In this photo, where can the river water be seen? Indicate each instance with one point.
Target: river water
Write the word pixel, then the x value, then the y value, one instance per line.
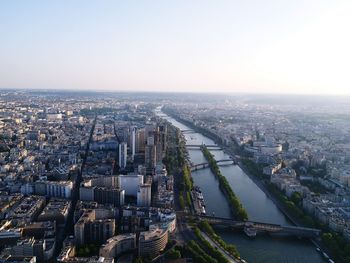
pixel 263 248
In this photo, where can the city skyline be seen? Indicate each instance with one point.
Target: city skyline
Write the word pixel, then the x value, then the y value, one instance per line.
pixel 274 47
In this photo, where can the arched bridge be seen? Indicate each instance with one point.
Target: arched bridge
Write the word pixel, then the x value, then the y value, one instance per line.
pixel 199 166
pixel 259 227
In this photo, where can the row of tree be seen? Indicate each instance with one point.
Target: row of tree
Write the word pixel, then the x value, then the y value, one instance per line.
pixel 237 208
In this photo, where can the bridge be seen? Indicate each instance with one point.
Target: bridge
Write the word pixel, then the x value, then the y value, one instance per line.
pixel 188 131
pixel 212 147
pixel 222 162
pixel 252 228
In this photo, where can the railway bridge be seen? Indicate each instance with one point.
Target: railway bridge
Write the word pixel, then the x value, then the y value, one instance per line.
pixel 260 227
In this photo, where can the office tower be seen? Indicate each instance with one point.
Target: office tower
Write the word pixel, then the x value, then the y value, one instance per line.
pixel 144 195
pixel 133 142
pixel 123 147
pixel 150 156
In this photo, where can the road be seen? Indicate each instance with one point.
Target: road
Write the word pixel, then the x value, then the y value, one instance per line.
pixel 183 232
pixel 228 256
pixel 69 227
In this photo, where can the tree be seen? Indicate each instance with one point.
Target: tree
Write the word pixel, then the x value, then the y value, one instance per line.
pixel 296 198
pixel 173 254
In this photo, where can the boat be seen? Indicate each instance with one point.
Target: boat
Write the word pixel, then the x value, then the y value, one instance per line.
pixel 250 231
pixel 200 196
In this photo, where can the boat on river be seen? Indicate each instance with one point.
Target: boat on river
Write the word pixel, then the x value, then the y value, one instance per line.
pixel 250 231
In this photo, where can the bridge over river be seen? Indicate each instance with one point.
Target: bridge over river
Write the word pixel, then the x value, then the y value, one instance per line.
pixel 195 167
pixel 212 147
pixel 252 228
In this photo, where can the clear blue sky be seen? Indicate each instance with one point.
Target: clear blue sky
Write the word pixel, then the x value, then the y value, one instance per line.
pixel 230 46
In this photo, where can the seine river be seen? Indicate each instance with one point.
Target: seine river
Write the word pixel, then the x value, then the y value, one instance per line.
pixel 263 248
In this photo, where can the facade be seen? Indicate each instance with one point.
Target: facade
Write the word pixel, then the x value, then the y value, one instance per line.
pixel 117 245
pixel 123 155
pixel 153 242
pixel 103 190
pixel 61 189
pixel 144 195
pixel 92 228
pixel 114 196
pixel 133 142
pixel 86 193
pixel 150 156
pixel 130 183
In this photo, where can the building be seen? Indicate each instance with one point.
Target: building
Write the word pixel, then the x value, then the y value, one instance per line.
pixel 150 155
pixel 133 142
pixel 39 229
pixel 87 193
pixel 272 169
pixel 56 210
pixel 104 190
pixel 152 242
pixel 28 209
pixel 41 249
pixel 114 196
pixel 123 155
pixel 130 183
pixel 61 189
pixel 144 195
pixel 140 141
pixel 117 245
pixel 93 227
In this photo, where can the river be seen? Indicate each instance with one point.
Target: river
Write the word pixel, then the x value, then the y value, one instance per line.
pixel 263 248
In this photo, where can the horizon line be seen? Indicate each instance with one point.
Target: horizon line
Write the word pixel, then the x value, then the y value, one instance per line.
pixel 172 92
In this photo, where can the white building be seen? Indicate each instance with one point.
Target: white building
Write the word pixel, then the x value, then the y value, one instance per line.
pixel 54 116
pixel 130 183
pixel 61 189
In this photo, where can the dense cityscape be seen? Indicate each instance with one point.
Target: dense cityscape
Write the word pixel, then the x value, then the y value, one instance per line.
pixel 174 131
pixel 114 177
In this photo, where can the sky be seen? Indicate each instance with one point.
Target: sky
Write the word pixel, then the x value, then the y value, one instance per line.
pixel 253 46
